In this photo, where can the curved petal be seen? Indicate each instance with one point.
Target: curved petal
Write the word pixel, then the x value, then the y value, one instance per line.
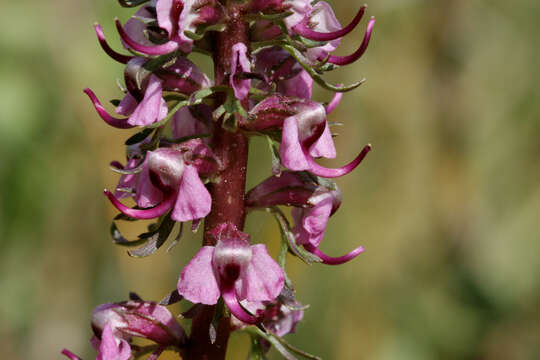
pixel 345 60
pixel 263 279
pixel 334 102
pixel 229 297
pixel 103 42
pixel 329 260
pixel 70 355
pixel 197 282
pixel 291 152
pixel 112 121
pixel 194 200
pixel 143 214
pixel 322 171
pixel 304 30
pixel 163 49
pixel 324 146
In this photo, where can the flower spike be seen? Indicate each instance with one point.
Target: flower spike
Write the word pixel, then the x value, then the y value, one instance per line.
pixel 143 214
pixel 329 260
pixel 345 60
pixel 163 49
pixel 322 171
pixel 303 29
pixel 124 59
pixel 120 123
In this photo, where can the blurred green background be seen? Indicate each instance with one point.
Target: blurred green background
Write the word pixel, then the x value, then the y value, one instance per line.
pixel 447 205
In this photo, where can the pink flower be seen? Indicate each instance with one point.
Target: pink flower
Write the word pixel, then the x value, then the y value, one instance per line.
pixel 173 16
pixel 305 134
pixel 315 22
pixel 143 319
pixel 143 104
pixel 314 200
pixel 170 180
pixel 310 224
pixel 234 270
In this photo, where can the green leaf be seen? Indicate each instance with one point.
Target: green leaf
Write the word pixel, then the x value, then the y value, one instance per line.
pixel 138 137
pixel 119 239
pixel 155 239
pixel 317 77
pixel 200 33
pixel 161 61
pixel 274 151
pixel 256 352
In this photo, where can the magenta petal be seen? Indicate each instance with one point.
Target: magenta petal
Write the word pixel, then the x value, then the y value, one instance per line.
pixel 334 102
pixel 329 260
pixel 229 297
pixel 305 31
pixel 197 282
pixel 322 171
pixel 112 121
pixel 313 223
pixel 163 49
pixel 112 348
pixel 324 146
pixel 70 355
pixel 291 152
pixel 142 214
pixel 164 10
pixel 194 200
pixel 185 124
pixel 103 42
pixel 146 194
pixel 263 279
pixel 127 106
pixel 300 86
pixel 152 108
pixel 240 62
pixel 345 60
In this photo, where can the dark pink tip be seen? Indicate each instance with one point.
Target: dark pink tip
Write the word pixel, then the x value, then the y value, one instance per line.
pixel 334 102
pixel 114 122
pixel 70 355
pixel 322 171
pixel 163 49
pixel 345 60
pixel 143 214
pixel 229 297
pixel 303 29
pixel 329 260
pixel 124 59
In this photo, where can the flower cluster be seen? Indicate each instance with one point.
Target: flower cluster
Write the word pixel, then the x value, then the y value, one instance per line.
pixel 275 51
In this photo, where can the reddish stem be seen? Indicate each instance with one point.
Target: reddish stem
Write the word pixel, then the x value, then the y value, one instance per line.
pixel 227 193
